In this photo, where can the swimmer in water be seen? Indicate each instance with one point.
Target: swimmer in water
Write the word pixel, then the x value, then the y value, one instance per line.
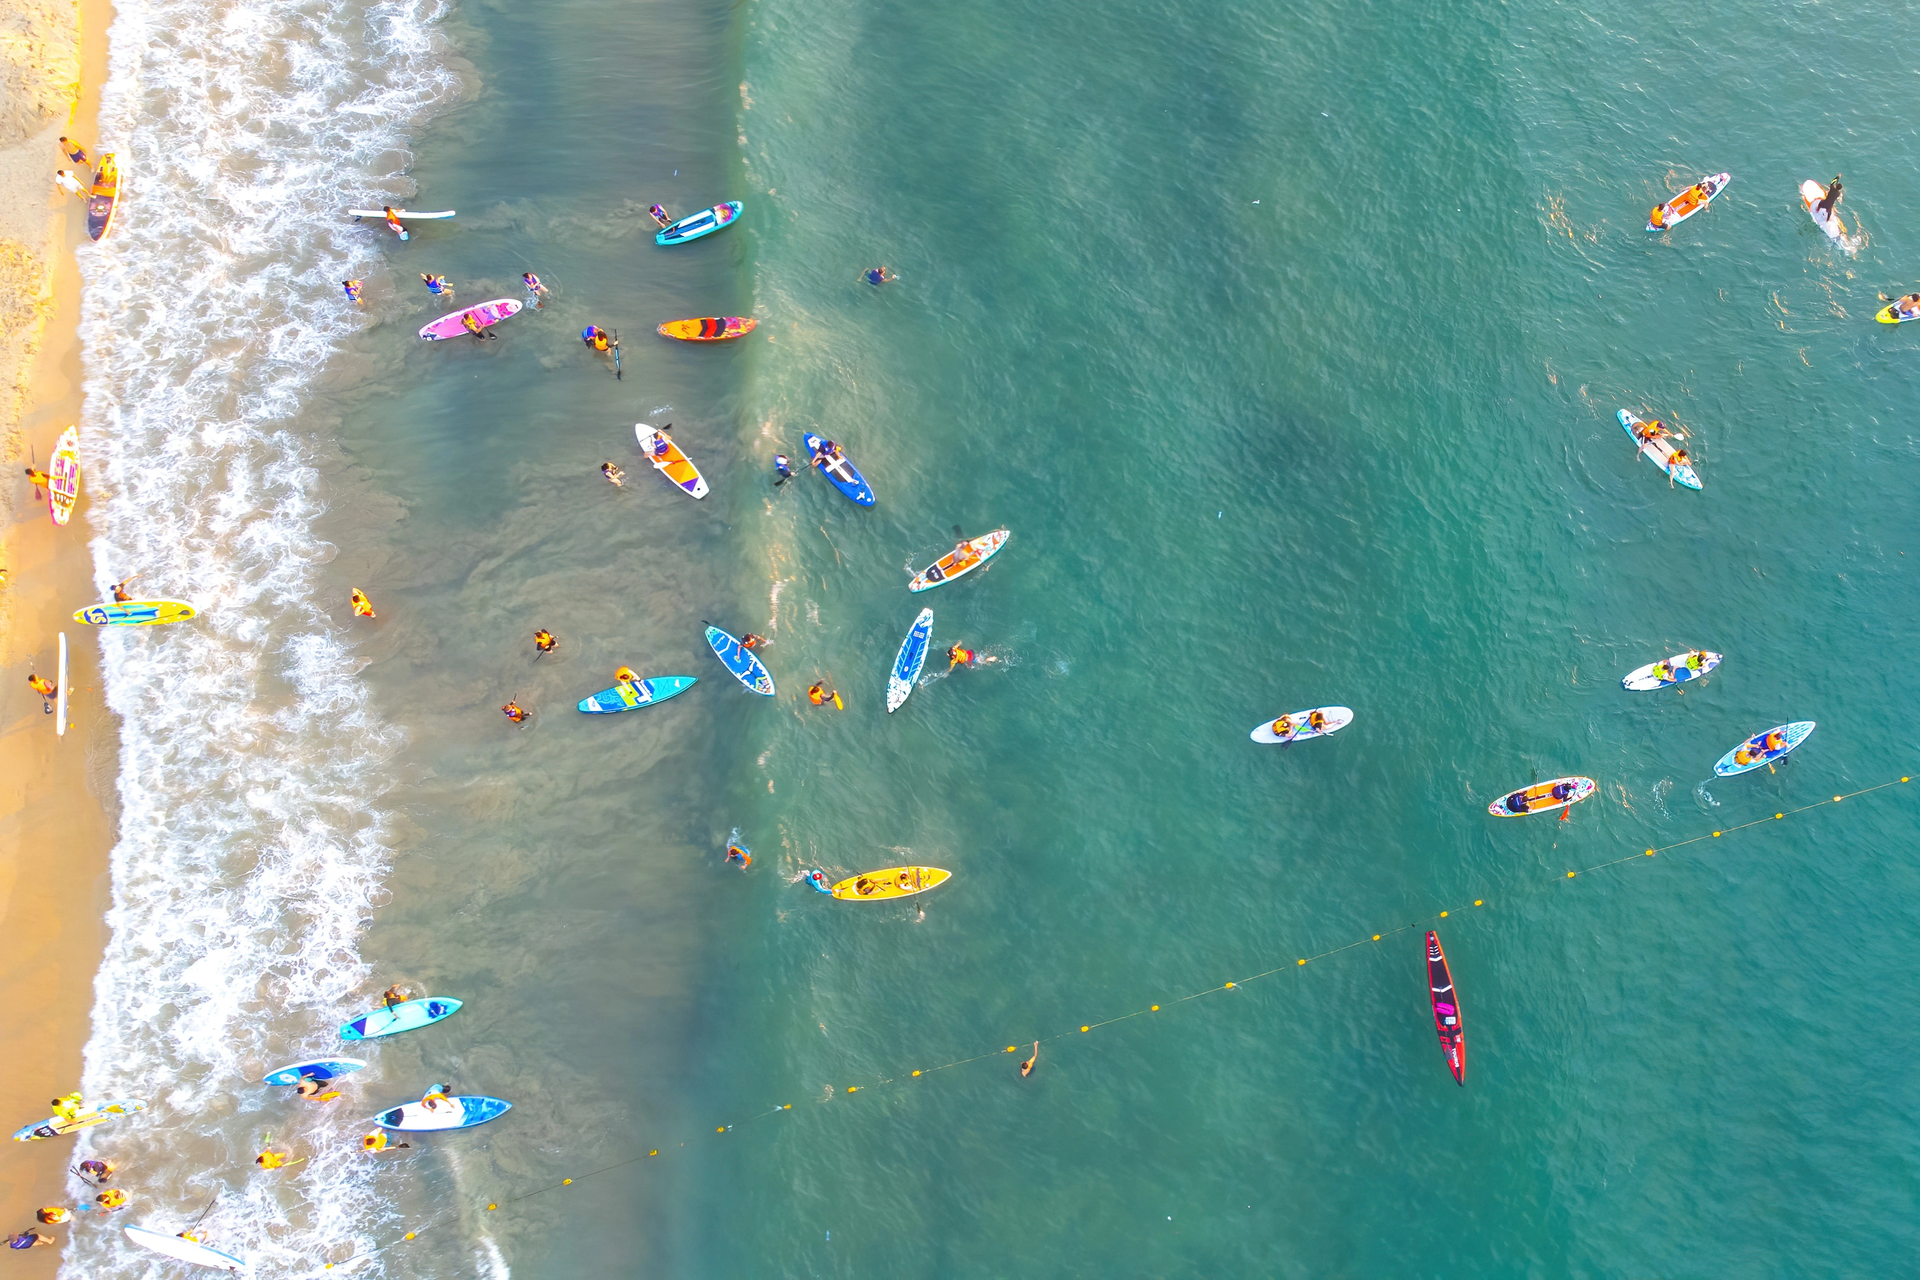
pixel 782 469
pixel 625 676
pixel 614 475
pixel 362 607
pixel 352 288
pixel 878 275
pixel 1026 1068
pixel 438 286
pixel 739 853
pixel 596 338
pixel 377 1141
pixel 818 880
pixel 535 290
pixel 751 641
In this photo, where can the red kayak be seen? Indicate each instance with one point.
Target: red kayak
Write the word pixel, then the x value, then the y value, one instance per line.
pixel 1446 1012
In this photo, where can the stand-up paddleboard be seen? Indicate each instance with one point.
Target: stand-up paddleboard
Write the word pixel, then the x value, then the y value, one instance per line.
pixel 193 1251
pixel 1659 451
pixel 1540 797
pixel 739 659
pixel 462 1112
pixel 1678 669
pixel 1755 752
pixel 703 223
pixel 1811 194
pixel 894 882
pixel 673 464
pixel 707 328
pixel 104 200
pixel 63 476
pixel 641 693
pixel 486 314
pixel 398 213
pixel 836 467
pixel 907 663
pixel 1446 1009
pixel 318 1069
pixel 60 693
pixel 86 1118
pixel 1298 726
pixel 960 561
pixel 408 1015
pixel 135 613
pixel 1687 203
pixel 1892 314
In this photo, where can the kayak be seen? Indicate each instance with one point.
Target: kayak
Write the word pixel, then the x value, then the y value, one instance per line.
pixel 1811 194
pixel 641 693
pixel 708 328
pixel 486 314
pixel 695 225
pixel 63 476
pixel 104 199
pixel 894 882
pixel 960 561
pixel 1687 203
pixel 174 1246
pixel 739 659
pixel 839 470
pixel 907 664
pixel 1446 1009
pixel 1792 735
pixel 408 1015
pixel 318 1069
pixel 1659 452
pixel 135 613
pixel 1539 798
pixel 86 1118
pixel 1299 730
pixel 674 465
pixel 1641 679
pixel 1887 315
pixel 461 1112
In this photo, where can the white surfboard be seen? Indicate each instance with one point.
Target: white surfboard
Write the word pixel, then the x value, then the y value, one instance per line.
pixel 398 213
pixel 1675 671
pixel 1811 194
pixel 1337 718
pixel 60 696
pixel 185 1250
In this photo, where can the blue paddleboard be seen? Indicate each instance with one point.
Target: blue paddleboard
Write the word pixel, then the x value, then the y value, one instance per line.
pixel 739 659
pixel 408 1015
pixel 837 469
pixel 695 225
pixel 1791 735
pixel 907 664
pixel 319 1069
pixel 459 1112
pixel 641 693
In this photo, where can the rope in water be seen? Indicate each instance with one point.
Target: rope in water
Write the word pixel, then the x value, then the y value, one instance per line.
pixel 1090 1027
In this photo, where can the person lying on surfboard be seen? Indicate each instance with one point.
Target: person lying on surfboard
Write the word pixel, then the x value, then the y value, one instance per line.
pixel 45 688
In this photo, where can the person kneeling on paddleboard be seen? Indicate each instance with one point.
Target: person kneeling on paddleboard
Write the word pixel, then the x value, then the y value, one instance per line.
pixel 1907 308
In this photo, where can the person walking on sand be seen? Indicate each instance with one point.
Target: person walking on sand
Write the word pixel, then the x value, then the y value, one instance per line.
pixel 37 478
pixel 74 151
pixel 1026 1068
pixel 47 690
pixel 64 179
pixel 29 1239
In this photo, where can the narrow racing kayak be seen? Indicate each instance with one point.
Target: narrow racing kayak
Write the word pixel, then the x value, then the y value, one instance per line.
pixel 1446 1009
pixel 184 1250
pixel 907 663
pixel 834 465
pixel 1764 748
pixel 408 1015
pixel 1678 669
pixel 641 693
pixel 1539 798
pixel 703 223
pixel 708 328
pixel 317 1069
pixel 486 314
pixel 85 1118
pixel 894 882
pixel 960 561
pixel 1811 194
pixel 673 464
pixel 1659 449
pixel 1298 726
pixel 1687 203
pixel 461 1112
pixel 103 201
pixel 135 613
pixel 63 476
pixel 739 659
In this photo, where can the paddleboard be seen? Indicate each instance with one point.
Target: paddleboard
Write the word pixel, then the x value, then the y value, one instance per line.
pixel 1337 718
pixel 739 659
pixel 408 1015
pixel 104 200
pixel 184 1250
pixel 486 314
pixel 60 693
pixel 1659 452
pixel 840 470
pixel 960 561
pixel 1811 194
pixel 1641 679
pixel 135 613
pixel 675 466
pixel 318 1069
pixel 1793 735
pixel 707 328
pixel 907 663
pixel 1689 202
pixel 98 1113
pixel 399 213
pixel 1887 315
pixel 894 882
pixel 641 693
pixel 695 225
pixel 63 476
pixel 1540 797
pixel 462 1112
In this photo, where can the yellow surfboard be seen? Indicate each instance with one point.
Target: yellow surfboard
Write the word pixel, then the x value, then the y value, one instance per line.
pixel 894 882
pixel 135 613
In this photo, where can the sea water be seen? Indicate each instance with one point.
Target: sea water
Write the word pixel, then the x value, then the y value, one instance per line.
pixel 1287 342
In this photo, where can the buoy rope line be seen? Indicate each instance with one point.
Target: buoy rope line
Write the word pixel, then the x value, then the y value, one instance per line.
pixel 1089 1027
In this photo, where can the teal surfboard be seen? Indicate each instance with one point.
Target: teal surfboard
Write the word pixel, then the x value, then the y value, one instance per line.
pixel 408 1015
pixel 641 693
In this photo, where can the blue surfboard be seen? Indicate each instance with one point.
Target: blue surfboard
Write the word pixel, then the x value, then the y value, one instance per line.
pixel 1791 736
pixel 459 1112
pixel 912 657
pixel 408 1015
pixel 641 693
pixel 703 223
pixel 738 659
pixel 319 1069
pixel 836 468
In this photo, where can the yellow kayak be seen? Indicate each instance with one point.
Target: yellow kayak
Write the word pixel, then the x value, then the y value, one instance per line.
pixel 894 882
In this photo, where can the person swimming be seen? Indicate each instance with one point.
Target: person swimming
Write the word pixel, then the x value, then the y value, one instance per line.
pixel 437 286
pixel 959 655
pixel 741 854
pixel 878 275
pixel 377 1141
pixel 536 291
pixel 98 1171
pixel 1026 1068
pixel 352 288
pixel 614 475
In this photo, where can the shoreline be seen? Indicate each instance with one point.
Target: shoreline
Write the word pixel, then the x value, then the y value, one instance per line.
pixel 57 806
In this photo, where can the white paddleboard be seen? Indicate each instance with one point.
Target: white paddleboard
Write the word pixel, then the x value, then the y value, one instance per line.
pixel 1811 194
pixel 60 697
pixel 185 1250
pixel 1337 719
pixel 1642 679
pixel 398 213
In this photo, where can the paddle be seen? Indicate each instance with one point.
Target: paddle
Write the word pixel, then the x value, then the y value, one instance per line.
pixel 616 355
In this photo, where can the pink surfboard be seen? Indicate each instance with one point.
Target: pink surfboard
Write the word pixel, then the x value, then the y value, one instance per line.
pixel 63 476
pixel 487 313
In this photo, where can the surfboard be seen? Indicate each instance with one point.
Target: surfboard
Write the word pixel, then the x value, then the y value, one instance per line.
pixel 960 561
pixel 1667 216
pixel 675 466
pixel 135 613
pixel 703 223
pixel 60 693
pixel 318 1069
pixel 1642 679
pixel 894 882
pixel 103 201
pixel 1887 315
pixel 485 314
pixel 707 328
pixel 1659 452
pixel 641 693
pixel 1793 735
pixel 739 659
pixel 839 470
pixel 185 1250
pixel 408 1015
pixel 1540 799
pixel 460 1112
pixel 1811 194
pixel 88 1117
pixel 907 664
pixel 63 476
pixel 398 213
pixel 1337 718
